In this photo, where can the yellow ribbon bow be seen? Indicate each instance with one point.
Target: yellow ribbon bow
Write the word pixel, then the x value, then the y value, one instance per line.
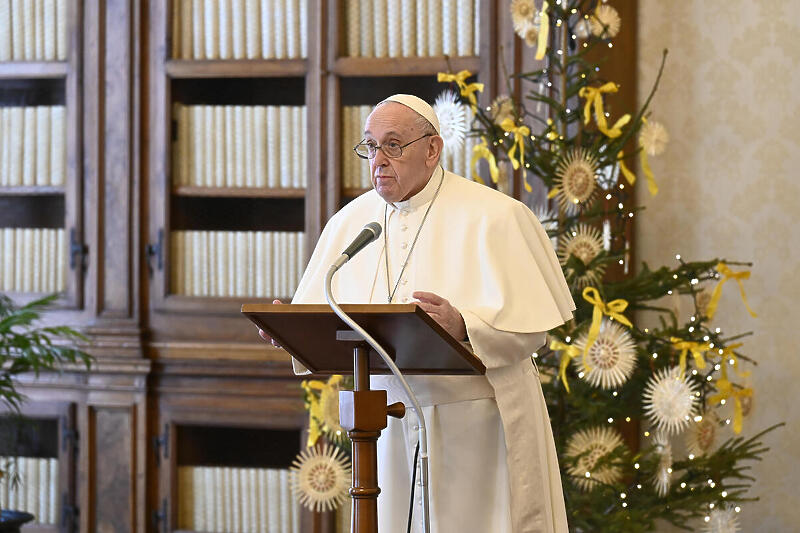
pixel 544 29
pixel 481 151
pixel 594 96
pixel 569 352
pixel 728 274
pixel 728 355
pixel 613 309
pixel 519 132
pixel 467 90
pixel 727 390
pixel 698 350
pixel 631 177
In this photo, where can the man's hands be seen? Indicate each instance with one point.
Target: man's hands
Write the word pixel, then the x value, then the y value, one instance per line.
pixel 440 310
pixel 263 334
pixel 443 313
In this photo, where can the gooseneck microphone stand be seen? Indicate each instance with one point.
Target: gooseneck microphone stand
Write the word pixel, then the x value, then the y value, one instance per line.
pixel 361 373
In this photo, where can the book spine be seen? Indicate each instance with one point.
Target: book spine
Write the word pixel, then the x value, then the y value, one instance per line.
pixel 175 29
pixel 17 39
pixel 367 41
pixel 304 139
pixel 262 501
pixel 251 262
pixel 218 134
pixel 44 491
pixel 177 275
pixel 5 140
pixel 245 491
pixel 298 146
pixel 28 30
pixel 260 145
pixel 198 29
pixel 352 28
pixel 435 27
pixel 241 264
pixel 212 253
pixel 52 501
pixel 273 152
pixel 221 263
pixel 29 146
pixel 304 28
pixel 236 499
pixel 36 260
pixel 229 145
pixel 185 143
pixel 210 163
pixel 249 147
pixel 210 499
pixel 267 35
pixel 465 27
pixel 347 136
pixel 292 27
pixel 62 46
pixel 187 28
pixel 61 260
pixel 231 243
pixel 31 482
pixel 476 24
pixel 186 490
pixel 240 168
pixel 38 30
pixel 380 28
pixel 273 500
pixel 43 128
pixel 219 499
pixel 49 14
pixel 6 40
pixel 285 121
pixel 279 27
pixel 394 33
pixel 253 29
pixel 408 18
pixel 449 27
pixel 265 266
pixel 285 500
pixel 16 144
pixel 364 182
pixel 238 29
pixel 227 499
pixel 58 156
pixel 211 27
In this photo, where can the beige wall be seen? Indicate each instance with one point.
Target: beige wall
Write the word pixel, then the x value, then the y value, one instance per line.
pixel 730 187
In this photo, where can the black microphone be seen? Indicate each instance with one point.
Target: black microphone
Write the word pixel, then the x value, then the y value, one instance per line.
pixel 370 232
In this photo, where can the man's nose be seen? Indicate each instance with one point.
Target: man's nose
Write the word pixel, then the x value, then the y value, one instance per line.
pixel 380 160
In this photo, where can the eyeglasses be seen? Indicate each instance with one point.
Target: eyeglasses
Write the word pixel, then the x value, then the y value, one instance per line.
pixel 368 149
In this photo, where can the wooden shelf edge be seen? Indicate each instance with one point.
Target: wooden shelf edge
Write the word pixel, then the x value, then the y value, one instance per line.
pixel 403 66
pixel 354 192
pixel 31 190
pixel 236 68
pixel 33 69
pixel 238 192
pixel 233 351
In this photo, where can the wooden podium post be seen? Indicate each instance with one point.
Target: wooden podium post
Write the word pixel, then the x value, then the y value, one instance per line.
pixel 419 346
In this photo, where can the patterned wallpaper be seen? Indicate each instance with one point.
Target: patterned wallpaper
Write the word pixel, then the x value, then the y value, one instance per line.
pixel 730 188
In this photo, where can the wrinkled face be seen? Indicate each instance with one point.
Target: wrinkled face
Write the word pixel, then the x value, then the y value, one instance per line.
pixel 401 178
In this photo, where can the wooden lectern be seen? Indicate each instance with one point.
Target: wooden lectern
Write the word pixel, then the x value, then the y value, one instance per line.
pixel 319 339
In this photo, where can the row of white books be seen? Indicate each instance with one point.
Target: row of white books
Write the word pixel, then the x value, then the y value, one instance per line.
pixel 261 264
pixel 239 29
pixel 37 489
pixel 33 30
pixel 412 28
pixel 236 500
pixel 32 260
pixel 240 146
pixel 33 147
pixel 356 171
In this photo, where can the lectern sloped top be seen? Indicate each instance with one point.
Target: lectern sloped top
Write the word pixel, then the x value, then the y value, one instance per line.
pixel 416 342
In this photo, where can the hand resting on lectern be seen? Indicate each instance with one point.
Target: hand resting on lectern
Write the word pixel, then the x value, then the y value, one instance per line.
pixel 263 334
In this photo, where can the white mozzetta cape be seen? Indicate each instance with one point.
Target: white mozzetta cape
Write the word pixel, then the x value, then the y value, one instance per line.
pixel 489 256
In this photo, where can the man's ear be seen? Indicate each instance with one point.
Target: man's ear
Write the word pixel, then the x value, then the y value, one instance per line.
pixel 434 150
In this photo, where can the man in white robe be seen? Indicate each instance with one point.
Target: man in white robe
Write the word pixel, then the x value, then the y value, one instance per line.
pixel 481 265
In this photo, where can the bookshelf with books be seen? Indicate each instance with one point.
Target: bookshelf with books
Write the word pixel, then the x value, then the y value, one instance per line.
pixel 37 452
pixel 375 49
pixel 223 458
pixel 231 209
pixel 41 239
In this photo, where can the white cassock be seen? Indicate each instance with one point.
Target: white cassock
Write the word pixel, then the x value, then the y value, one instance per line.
pixel 493 464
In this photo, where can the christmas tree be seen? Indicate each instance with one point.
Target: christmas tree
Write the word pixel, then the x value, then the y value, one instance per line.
pixel 650 422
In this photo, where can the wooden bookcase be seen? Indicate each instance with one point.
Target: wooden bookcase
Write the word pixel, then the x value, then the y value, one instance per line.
pixel 54 82
pixel 46 430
